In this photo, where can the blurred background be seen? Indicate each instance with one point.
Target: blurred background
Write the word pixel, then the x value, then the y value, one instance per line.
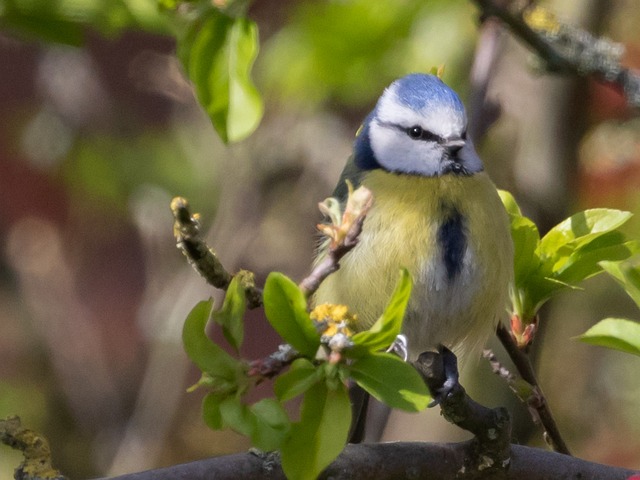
pixel 95 139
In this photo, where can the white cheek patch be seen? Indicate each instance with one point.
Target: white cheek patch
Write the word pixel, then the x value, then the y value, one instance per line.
pixel 397 152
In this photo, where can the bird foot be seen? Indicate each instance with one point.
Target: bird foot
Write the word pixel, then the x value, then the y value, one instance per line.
pixel 400 347
pixel 440 370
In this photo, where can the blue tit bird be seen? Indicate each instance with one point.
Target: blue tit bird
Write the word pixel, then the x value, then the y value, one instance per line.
pixel 435 212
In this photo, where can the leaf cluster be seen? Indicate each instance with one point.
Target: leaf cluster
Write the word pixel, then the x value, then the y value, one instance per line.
pixel 319 373
pixel 569 253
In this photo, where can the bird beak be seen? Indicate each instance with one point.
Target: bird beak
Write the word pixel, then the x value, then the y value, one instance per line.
pixel 453 143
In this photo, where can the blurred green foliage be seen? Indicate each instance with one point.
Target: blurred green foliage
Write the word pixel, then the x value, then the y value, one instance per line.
pixel 326 49
pixel 66 21
pixel 108 168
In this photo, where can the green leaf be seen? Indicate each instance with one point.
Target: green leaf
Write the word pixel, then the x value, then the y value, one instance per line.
pixel 626 274
pixel 201 350
pixel 509 203
pixel 320 435
pixel 237 416
pixel 211 411
pixel 286 310
pixel 384 332
pixel 616 333
pixel 584 262
pixel 392 381
pixel 230 316
pixel 525 242
pixel 301 377
pixel 265 422
pixel 218 52
pixel 272 425
pixel 578 230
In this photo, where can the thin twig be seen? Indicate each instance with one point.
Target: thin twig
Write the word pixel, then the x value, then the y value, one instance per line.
pixel 344 233
pixel 273 364
pixel 331 262
pixel 536 401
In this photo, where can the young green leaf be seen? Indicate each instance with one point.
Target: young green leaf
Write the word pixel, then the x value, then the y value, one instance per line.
pixel 286 310
pixel 626 274
pixel 211 411
pixel 566 255
pixel 301 377
pixel 526 238
pixel 616 333
pixel 201 350
pixel 230 316
pixel 272 425
pixel 578 230
pixel 387 327
pixel 391 380
pixel 218 52
pixel 237 416
pixel 509 203
pixel 320 435
pixel 584 262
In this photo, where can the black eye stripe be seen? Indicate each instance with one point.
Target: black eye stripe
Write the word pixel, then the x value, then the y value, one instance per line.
pixel 418 133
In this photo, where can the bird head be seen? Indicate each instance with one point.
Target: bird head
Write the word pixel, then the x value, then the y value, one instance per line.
pixel 418 127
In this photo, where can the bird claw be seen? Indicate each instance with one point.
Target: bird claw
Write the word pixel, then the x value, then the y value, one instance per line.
pixel 450 375
pixel 400 347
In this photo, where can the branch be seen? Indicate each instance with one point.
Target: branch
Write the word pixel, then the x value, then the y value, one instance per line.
pixel 484 110
pixel 489 452
pixel 564 48
pixel 190 240
pixel 273 364
pixel 384 461
pixel 331 262
pixel 35 448
pixel 343 232
pixel 536 400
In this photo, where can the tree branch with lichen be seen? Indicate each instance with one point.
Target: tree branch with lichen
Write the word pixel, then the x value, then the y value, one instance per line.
pixel 564 48
pixel 37 463
pixel 190 240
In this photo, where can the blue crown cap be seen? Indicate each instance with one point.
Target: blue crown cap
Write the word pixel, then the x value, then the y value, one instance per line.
pixel 419 91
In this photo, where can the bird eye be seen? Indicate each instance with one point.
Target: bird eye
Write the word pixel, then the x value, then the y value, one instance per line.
pixel 415 132
pixel 418 133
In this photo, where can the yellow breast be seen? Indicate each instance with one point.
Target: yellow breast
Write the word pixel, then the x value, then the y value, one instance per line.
pixel 403 229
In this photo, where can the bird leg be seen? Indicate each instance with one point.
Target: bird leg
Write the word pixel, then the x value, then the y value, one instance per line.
pixel 440 372
pixel 491 426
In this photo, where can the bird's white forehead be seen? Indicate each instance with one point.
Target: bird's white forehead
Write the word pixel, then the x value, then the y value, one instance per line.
pixel 438 114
